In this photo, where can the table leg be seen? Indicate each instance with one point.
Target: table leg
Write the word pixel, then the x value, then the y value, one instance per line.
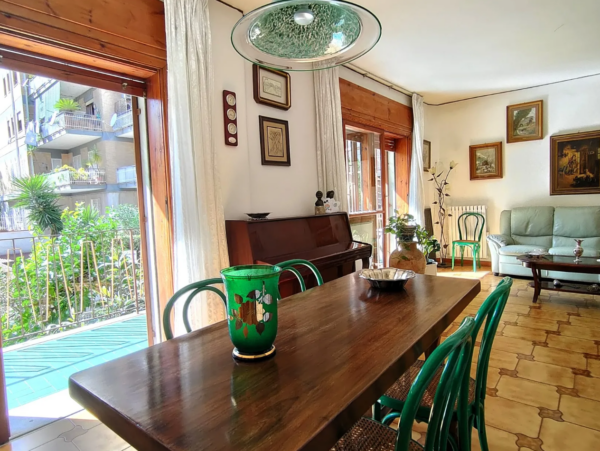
pixel 431 348
pixel 537 276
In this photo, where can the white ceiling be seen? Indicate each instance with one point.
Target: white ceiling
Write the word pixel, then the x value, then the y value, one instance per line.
pixel 452 50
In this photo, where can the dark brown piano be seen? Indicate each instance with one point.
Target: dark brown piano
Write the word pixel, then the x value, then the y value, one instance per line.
pixel 326 241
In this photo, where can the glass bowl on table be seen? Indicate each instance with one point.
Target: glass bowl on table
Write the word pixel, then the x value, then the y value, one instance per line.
pixel 387 278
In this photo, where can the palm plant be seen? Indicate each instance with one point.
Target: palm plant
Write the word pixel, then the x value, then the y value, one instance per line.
pixel 94 158
pixel 37 196
pixel 67 105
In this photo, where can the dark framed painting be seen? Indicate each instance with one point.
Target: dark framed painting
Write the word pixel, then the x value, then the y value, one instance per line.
pixel 485 161
pixel 575 163
pixel 274 142
pixel 426 156
pixel 272 87
pixel 525 122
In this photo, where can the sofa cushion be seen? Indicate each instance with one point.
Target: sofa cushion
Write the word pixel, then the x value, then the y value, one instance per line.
pixel 532 225
pixel 568 251
pixel 519 249
pixel 577 222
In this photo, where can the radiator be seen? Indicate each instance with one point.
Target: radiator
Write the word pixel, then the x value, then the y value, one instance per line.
pixel 452 224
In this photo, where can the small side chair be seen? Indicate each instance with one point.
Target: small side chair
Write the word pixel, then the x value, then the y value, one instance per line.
pixel 370 435
pixel 488 316
pixel 207 285
pixel 472 237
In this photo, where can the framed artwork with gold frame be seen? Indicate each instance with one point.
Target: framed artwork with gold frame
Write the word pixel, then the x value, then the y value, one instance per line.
pixel 575 163
pixel 485 161
pixel 525 122
pixel 272 87
pixel 274 142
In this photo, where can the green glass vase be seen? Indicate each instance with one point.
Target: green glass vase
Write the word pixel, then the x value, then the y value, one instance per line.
pixel 252 295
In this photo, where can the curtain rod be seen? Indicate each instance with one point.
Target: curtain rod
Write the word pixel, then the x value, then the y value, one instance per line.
pixel 377 79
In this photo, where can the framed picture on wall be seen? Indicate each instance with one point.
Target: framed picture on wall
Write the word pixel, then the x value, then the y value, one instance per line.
pixel 525 121
pixel 272 87
pixel 426 156
pixel 485 161
pixel 575 163
pixel 274 142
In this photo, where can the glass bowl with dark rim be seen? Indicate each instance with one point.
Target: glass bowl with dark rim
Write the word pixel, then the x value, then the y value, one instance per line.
pixel 387 278
pixel 258 216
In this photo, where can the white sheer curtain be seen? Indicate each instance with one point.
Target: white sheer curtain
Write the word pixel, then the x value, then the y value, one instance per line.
pixel 415 193
pixel 200 248
pixel 331 165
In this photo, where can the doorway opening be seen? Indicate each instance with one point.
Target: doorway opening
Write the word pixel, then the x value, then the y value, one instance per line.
pixel 72 282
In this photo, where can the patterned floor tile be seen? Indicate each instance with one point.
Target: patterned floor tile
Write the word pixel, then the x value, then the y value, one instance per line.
pixel 581 411
pixel 512 416
pixel 515 345
pixel 559 357
pixel 546 373
pixel 552 315
pixel 498 440
pixel 524 333
pixel 594 367
pixel 579 332
pixel 572 344
pixel 588 387
pixel 585 322
pixel 536 323
pixel 563 436
pixel 528 392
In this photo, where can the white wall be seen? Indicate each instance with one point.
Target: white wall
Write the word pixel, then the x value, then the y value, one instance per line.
pixel 568 107
pixel 246 185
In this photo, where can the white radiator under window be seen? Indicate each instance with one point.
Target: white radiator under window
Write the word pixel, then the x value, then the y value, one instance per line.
pixel 452 224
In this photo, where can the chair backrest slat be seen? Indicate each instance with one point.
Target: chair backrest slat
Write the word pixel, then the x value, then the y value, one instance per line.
pixel 454 383
pixel 465 227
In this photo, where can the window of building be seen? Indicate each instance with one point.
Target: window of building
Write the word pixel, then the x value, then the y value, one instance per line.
pixel 4 86
pixel 90 108
pixel 95 203
pixel 56 163
pixel 77 162
pixel 19 121
pixel 10 124
pixel 8 127
pixel 15 78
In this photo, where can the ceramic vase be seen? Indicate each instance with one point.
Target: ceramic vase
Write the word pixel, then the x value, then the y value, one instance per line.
pixel 252 295
pixel 408 256
pixel 578 251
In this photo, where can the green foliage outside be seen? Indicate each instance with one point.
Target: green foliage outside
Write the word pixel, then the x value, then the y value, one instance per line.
pixel 37 195
pixel 67 105
pixel 49 292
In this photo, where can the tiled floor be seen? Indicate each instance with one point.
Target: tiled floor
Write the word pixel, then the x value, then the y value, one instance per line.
pixel 543 381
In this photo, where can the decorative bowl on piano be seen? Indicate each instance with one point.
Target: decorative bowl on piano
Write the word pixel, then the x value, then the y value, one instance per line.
pixel 387 278
pixel 258 216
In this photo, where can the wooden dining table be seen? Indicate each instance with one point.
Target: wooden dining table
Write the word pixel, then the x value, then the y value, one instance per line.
pixel 340 346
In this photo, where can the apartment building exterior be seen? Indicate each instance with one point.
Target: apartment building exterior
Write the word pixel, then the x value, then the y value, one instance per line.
pixel 80 137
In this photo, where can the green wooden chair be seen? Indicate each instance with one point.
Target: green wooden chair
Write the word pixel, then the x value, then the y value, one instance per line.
pixel 453 385
pixel 196 288
pixel 469 231
pixel 487 316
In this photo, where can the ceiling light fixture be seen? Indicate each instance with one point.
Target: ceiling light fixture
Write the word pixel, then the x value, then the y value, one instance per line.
pixel 306 35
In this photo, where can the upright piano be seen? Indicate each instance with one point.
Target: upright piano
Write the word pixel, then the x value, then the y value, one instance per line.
pixel 324 240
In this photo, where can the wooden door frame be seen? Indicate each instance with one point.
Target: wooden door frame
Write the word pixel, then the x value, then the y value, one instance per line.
pixel 74 67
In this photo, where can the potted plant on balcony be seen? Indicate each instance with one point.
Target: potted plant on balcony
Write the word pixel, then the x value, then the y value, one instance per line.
pixel 407 254
pixel 67 105
pixel 428 244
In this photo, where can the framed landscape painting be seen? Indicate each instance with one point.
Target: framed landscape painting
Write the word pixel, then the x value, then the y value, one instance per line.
pixel 575 163
pixel 272 87
pixel 485 161
pixel 525 121
pixel 426 156
pixel 274 142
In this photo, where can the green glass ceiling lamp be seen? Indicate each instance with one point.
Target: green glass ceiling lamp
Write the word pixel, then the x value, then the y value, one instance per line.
pixel 306 35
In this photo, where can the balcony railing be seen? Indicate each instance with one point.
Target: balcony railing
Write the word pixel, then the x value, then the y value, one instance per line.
pixel 79 121
pixel 67 281
pixel 126 175
pixel 123 120
pixel 15 219
pixel 68 177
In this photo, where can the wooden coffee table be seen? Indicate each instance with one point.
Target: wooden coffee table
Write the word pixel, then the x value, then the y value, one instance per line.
pixel 587 265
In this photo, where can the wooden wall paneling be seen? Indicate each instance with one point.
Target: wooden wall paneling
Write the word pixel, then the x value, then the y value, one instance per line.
pixel 85 75
pixel 132 32
pixel 403 157
pixel 160 174
pixel 366 107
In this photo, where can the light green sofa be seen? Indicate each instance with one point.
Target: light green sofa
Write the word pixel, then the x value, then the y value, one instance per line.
pixel 553 229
